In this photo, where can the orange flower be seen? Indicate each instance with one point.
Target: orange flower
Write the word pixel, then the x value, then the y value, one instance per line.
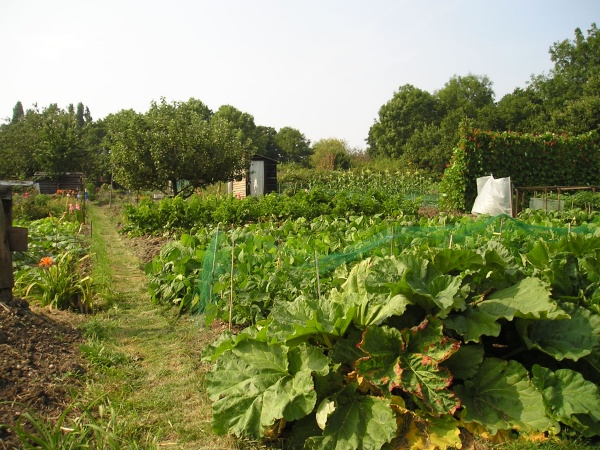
pixel 46 261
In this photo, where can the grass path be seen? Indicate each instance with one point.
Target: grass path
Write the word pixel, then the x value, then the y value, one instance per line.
pixel 147 358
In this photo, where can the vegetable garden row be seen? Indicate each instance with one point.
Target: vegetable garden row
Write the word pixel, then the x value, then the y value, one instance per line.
pixel 371 332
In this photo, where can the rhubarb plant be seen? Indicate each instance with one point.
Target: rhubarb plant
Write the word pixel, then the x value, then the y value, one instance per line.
pixel 410 349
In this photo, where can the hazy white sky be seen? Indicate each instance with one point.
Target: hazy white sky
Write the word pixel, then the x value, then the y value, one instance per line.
pixel 323 67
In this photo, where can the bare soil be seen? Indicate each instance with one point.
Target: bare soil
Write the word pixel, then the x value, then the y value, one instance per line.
pixel 39 363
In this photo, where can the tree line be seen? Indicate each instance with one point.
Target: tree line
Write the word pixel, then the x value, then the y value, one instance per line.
pixel 421 128
pixel 177 141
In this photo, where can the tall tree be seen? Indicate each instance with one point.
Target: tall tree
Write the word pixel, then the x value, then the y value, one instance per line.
pixel 409 109
pixel 80 115
pixel 266 142
pixel 60 148
pixel 87 115
pixel 174 147
pixel 18 113
pixel 469 94
pixel 244 122
pixel 295 148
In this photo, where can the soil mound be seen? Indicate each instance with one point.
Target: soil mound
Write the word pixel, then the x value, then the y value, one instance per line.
pixel 39 363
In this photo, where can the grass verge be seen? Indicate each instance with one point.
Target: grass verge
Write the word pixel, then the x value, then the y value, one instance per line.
pixel 145 359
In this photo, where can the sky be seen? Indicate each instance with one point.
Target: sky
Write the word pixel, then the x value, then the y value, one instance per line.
pixel 323 67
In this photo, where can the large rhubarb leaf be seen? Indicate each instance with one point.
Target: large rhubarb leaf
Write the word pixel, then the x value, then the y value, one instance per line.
pixel 370 286
pixel 501 397
pixel 305 317
pixel 571 339
pixel 465 363
pixel 255 384
pixel 472 324
pixel 352 421
pixel 427 287
pixel 527 299
pixel 409 360
pixel 570 399
pixel 452 260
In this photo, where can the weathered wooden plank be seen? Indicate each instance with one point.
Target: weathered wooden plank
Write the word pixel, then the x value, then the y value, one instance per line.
pixel 17 239
pixel 6 273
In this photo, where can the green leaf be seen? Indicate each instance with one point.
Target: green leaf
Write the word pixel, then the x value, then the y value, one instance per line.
pixel 527 299
pixel 354 421
pixel 305 317
pixel 427 287
pixel 449 260
pixel 472 324
pixel 571 339
pixel 368 288
pixel 254 385
pixel 409 360
pixel 464 363
pixel 501 397
pixel 570 399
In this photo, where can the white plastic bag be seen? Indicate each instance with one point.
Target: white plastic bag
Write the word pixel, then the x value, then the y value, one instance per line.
pixel 493 196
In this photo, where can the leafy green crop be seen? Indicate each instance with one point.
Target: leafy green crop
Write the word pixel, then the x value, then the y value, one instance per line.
pixel 496 333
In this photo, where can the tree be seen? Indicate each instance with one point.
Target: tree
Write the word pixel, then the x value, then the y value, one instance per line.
pixel 409 109
pixel 265 139
pixel 575 62
pixel 295 148
pixel 427 150
pixel 330 154
pixel 242 121
pixel 17 143
pixel 469 94
pixel 175 148
pixel 60 145
pixel 80 115
pixel 18 113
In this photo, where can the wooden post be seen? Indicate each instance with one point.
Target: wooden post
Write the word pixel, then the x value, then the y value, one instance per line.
pixel 6 273
pixel 11 239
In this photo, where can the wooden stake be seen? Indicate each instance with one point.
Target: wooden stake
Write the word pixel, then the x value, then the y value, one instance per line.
pixel 318 280
pixel 212 270
pixel 231 282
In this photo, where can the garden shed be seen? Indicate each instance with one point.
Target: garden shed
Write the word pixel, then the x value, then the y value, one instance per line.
pixel 259 179
pixel 67 181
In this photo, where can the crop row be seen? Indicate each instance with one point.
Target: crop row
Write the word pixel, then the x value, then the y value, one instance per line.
pixel 174 215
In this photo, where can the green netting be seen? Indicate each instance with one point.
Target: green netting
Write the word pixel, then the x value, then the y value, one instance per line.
pixel 217 258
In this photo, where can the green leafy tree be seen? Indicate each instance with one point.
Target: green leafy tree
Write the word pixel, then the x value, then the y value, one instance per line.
pixel 575 62
pixel 80 115
pixel 295 148
pixel 469 94
pixel 60 145
pixel 175 148
pixel 331 154
pixel 17 143
pixel 96 162
pixel 425 150
pixel 409 109
pixel 265 139
pixel 565 100
pixel 18 113
pixel 242 121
